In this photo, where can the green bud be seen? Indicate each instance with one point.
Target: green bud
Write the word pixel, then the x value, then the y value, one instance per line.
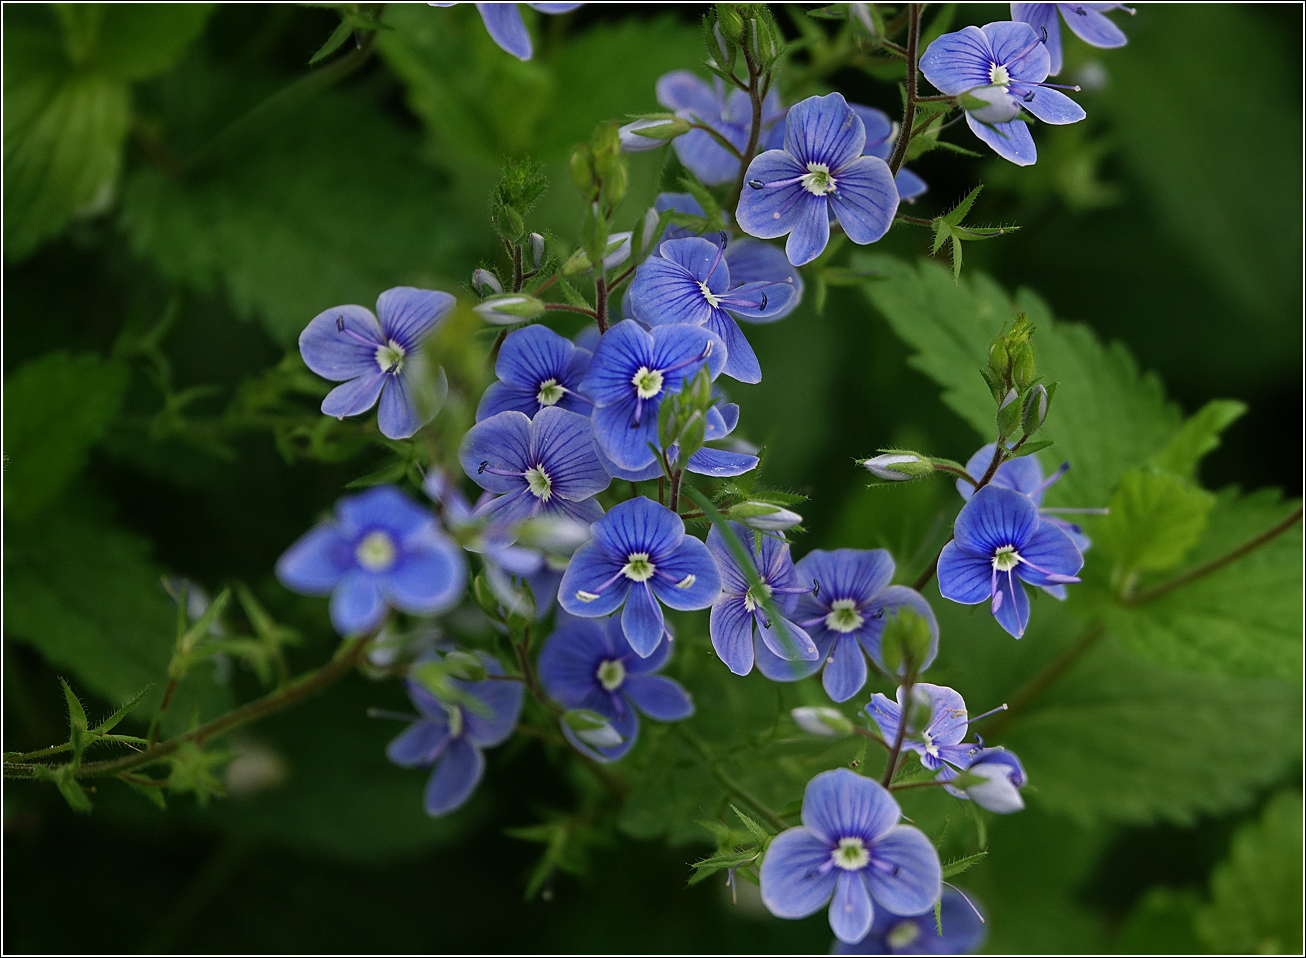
pixel 583 173
pixel 592 728
pixel 615 181
pixel 1022 364
pixel 464 666
pixel 509 308
pixel 1009 413
pixel 898 464
pixel 577 262
pixel 905 641
pixel 484 597
pixel 999 360
pixel 730 22
pixel 1036 410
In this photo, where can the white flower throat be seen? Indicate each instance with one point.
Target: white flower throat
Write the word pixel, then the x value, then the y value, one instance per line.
pixel 1006 559
pixel 390 357
pixel 376 552
pixel 999 75
pixel 647 382
pixel 817 180
pixel 550 393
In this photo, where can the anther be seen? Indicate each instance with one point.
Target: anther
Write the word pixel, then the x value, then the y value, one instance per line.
pixel 340 324
pixel 756 184
pixel 481 468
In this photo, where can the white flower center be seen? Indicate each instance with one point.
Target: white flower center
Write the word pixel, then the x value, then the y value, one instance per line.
pixel 817 180
pixel 851 855
pixel 712 299
pixel 376 552
pixel 931 749
pixel 1006 559
pixel 844 616
pixel 902 934
pixel 637 567
pixel 550 393
pixel 998 75
pixel 611 674
pixel 390 357
pixel 647 382
pixel 751 601
pixel 537 480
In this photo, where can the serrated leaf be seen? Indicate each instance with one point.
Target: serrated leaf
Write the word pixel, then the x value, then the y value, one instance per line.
pixel 109 724
pixel 757 831
pixel 1199 435
pixel 958 213
pixel 959 865
pixel 1155 518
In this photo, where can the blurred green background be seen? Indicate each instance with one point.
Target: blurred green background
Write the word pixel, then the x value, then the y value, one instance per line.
pixel 182 194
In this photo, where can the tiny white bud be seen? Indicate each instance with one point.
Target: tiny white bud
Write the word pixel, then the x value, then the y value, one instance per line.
pixel 483 279
pixel 822 721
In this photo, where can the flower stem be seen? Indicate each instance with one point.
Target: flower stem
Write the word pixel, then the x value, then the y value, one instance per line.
pixel 909 110
pixel 600 302
pixel 755 128
pixel 891 766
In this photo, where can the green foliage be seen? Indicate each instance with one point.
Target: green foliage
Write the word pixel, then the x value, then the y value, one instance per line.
pixel 948 229
pixel 1256 895
pixel 1162 923
pixel 1199 435
pixel 1155 518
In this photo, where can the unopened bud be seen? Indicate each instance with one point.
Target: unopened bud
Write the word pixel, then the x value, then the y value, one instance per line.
pixel 993 782
pixel 861 12
pixel 1036 410
pixel 1022 364
pixel 764 516
pixel 822 721
pixel 618 249
pixel 649 134
pixel 592 728
pixel 537 250
pixel 465 666
pixel 899 465
pixel 582 173
pixel 999 360
pixel 483 280
pixel 722 45
pixel 1008 418
pixel 510 309
pixel 730 22
pixel 905 642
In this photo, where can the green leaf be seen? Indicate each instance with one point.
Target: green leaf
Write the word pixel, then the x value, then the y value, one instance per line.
pixel 709 866
pixel 76 714
pixel 1155 518
pixel 339 35
pixel 1199 435
pixel 760 834
pixel 959 865
pixel 56 409
pixel 109 724
pixel 137 40
pixel 1256 894
pixel 1162 923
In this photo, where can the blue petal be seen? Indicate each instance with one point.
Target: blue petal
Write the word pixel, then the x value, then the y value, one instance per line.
pixel 588 570
pixel 741 362
pixel 357 395
pixel 620 353
pixel 693 565
pixel 701 258
pixel 419 744
pixel 731 628
pixel 665 292
pixel 957 62
pixel 859 574
pixel 995 518
pixel 1053 106
pixel 639 525
pixel 563 443
pixel 886 713
pixel 504 24
pixel 626 724
pixel 732 578
pixel 316 561
pixel 426 582
pixel 504 397
pixel 866 200
pixel 334 354
pixel 810 219
pixel 398 417
pixel 622 439
pixel 384 507
pixel 410 315
pixel 767 211
pixel 503 698
pixel 682 90
pixel 356 604
pixel 850 908
pixel 641 620
pixel 1013 613
pixel 659 697
pixel 1016 46
pixel 1043 18
pixel 879 130
pixel 788 640
pixel 454 777
pixel 1050 549
pixel 778 669
pixel 915 881
pixel 909 185
pixel 793 886
pixel 824 129
pixel 1011 141
pixel 754 262
pixel 503 442
pixel 840 803
pixel 702 155
pixel 569 662
pixel 845 671
pixel 1092 26
pixel 721 463
pixel 689 347
pixel 643 474
pixel 531 355
pixel 555 7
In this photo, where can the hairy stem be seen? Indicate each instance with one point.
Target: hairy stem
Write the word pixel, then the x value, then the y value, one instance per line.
pixel 755 128
pixel 600 302
pixel 909 111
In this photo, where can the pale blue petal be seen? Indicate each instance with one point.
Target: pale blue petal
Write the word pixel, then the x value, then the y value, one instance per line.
pixel 694 566
pixel 793 886
pixel 766 211
pixel 504 24
pixel 850 907
pixel 810 221
pixel 957 62
pixel 1050 549
pixel 721 463
pixel 316 561
pixel 641 620
pixel 332 353
pixel 563 443
pixel 357 395
pixel 845 670
pixel 501 442
pixel 1016 46
pixel 824 129
pixel 866 200
pixel 1043 18
pixel 503 699
pixel 398 417
pixel 658 697
pixel 427 582
pixel 840 804
pixel 753 262
pixel 914 884
pixel 1011 141
pixel 1053 106
pixel 356 604
pixel 995 518
pixel 410 315
pixel 454 777
pixel 1092 26
pixel 731 628
pixel 418 745
pixel 587 571
pixel 1013 613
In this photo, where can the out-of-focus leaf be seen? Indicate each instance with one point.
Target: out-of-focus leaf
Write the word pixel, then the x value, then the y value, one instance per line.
pixel 1162 923
pixel 1199 435
pixel 1155 519
pixel 137 40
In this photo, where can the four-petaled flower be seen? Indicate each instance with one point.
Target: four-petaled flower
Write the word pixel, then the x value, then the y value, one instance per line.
pixel 820 171
pixel 382 549
pixel 1005 65
pixel 450 736
pixel 641 556
pixel 890 934
pixel 847 612
pixel 372 359
pixel 850 851
pixel 1088 21
pixel 633 370
pixel 940 741
pixel 786 652
pixel 537 369
pixel 546 466
pixel 505 26
pixel 688 281
pixel 998 542
pixel 589 664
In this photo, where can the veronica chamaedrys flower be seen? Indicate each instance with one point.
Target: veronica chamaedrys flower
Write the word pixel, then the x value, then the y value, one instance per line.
pixel 1005 64
pixel 590 664
pixel 722 418
pixel 731 115
pixel 785 652
pixel 1088 21
pixel 504 24
pixel 537 369
pixel 890 934
pixel 372 359
pixel 820 171
pixel 688 281
pixel 939 742
pixel 998 542
pixel 633 370
pixel 546 466
pixel 850 851
pixel 846 612
pixel 640 556
pixel 1001 779
pixel 382 549
pixel 450 736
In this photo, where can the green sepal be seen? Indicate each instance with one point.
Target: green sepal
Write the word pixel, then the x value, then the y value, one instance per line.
pixel 959 865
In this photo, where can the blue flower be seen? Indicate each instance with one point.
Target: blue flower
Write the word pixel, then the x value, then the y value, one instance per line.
pixel 939 743
pixel 537 369
pixel 1002 777
pixel 591 665
pixel 890 934
pixel 820 171
pixel 730 115
pixel 722 418
pixel 374 359
pixel 998 541
pixel 1005 65
pixel 639 556
pixel 688 281
pixel 632 371
pixel 846 613
pixel 1088 21
pixel 382 549
pixel 451 736
pixel 504 24
pixel 546 466
pixel 850 851
pixel 786 652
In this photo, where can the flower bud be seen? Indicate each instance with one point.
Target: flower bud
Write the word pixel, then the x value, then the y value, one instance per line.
pixel 764 516
pixel 730 22
pixel 618 249
pixel 999 360
pixel 537 250
pixel 652 132
pixel 582 173
pixel 1036 410
pixel 1022 363
pixel 904 642
pixel 993 782
pixel 508 310
pixel 592 728
pixel 483 279
pixel 822 721
pixel 899 465
pixel 1008 418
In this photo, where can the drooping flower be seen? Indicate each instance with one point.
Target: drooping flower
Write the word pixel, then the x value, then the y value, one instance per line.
pixel 639 556
pixel 852 852
pixel 890 934
pixel 1001 779
pixel 1088 21
pixel 537 369
pixel 846 614
pixel 590 664
pixel 503 22
pixel 688 281
pixel 998 542
pixel 450 736
pixel 1005 65
pixel 785 651
pixel 382 549
pixel 820 171
pixel 546 466
pixel 730 115
pixel 372 359
pixel 633 370
pixel 722 418
pixel 939 742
